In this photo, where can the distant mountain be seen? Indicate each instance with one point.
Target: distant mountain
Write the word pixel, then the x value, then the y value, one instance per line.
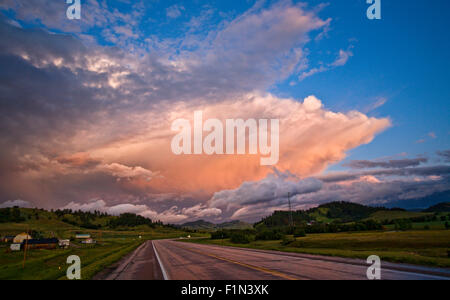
pixel 419 204
pixel 205 225
pixel 235 225
pixel 441 207
pixel 200 224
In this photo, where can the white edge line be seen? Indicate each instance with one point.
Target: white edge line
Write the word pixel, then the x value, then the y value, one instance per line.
pixel 163 270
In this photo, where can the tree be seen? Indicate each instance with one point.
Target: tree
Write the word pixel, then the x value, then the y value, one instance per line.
pixel 299 232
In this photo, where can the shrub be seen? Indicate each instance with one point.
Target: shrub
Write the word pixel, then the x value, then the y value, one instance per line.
pixel 218 235
pixel 269 235
pixel 287 240
pixel 299 232
pixel 403 225
pixel 241 238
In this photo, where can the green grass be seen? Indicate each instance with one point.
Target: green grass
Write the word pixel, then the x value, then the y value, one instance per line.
pixel 49 227
pixel 321 215
pixel 395 215
pixel 434 225
pixel 414 247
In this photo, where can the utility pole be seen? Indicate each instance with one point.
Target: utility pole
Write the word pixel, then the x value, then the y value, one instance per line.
pixel 25 250
pixel 291 219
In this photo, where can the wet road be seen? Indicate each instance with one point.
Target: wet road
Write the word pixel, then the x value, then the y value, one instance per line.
pixel 175 260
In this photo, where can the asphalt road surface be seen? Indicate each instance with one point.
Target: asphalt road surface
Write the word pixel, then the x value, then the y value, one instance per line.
pixel 174 260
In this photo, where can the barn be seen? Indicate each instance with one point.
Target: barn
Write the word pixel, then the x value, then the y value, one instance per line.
pixel 40 244
pixel 21 237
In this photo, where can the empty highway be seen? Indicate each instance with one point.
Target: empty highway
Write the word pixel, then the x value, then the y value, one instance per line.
pixel 174 260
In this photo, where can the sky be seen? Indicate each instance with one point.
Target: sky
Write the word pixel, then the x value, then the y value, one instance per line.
pixel 87 105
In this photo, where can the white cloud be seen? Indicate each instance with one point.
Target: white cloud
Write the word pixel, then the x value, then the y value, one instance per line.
pixel 201 211
pixel 380 101
pixel 343 58
pixel 172 215
pixel 121 171
pixel 174 11
pixel 19 203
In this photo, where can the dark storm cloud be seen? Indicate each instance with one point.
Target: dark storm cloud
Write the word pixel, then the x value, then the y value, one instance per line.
pixel 445 155
pixel 439 170
pixel 376 193
pixel 401 163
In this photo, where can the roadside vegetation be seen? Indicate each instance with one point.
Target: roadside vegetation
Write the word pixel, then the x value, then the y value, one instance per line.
pixel 351 230
pixel 429 248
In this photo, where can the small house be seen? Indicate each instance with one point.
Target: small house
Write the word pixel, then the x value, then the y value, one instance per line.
pixel 15 247
pixel 18 239
pixel 89 241
pixel 40 244
pixel 64 244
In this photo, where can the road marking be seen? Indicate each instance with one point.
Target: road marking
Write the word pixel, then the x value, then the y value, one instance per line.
pixel 163 270
pixel 261 269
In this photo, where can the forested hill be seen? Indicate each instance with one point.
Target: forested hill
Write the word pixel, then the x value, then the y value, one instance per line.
pixel 87 220
pixel 340 212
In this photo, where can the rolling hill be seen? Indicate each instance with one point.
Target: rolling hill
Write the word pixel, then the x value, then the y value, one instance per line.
pixel 204 225
pixel 441 207
pixel 346 212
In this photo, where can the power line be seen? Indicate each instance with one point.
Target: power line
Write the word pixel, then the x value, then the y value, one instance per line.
pixel 291 221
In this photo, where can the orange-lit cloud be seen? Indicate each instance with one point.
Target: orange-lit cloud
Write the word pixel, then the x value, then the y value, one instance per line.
pixel 311 138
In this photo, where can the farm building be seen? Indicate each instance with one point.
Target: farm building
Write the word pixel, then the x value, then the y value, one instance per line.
pixel 40 244
pixel 64 243
pixel 8 239
pixel 89 241
pixel 82 236
pixel 21 237
pixel 15 247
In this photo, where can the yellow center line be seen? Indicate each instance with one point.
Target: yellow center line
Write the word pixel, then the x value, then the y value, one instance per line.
pixel 261 269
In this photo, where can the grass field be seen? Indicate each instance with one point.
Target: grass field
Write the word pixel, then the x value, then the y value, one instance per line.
pixel 395 215
pixel 429 247
pixel 435 225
